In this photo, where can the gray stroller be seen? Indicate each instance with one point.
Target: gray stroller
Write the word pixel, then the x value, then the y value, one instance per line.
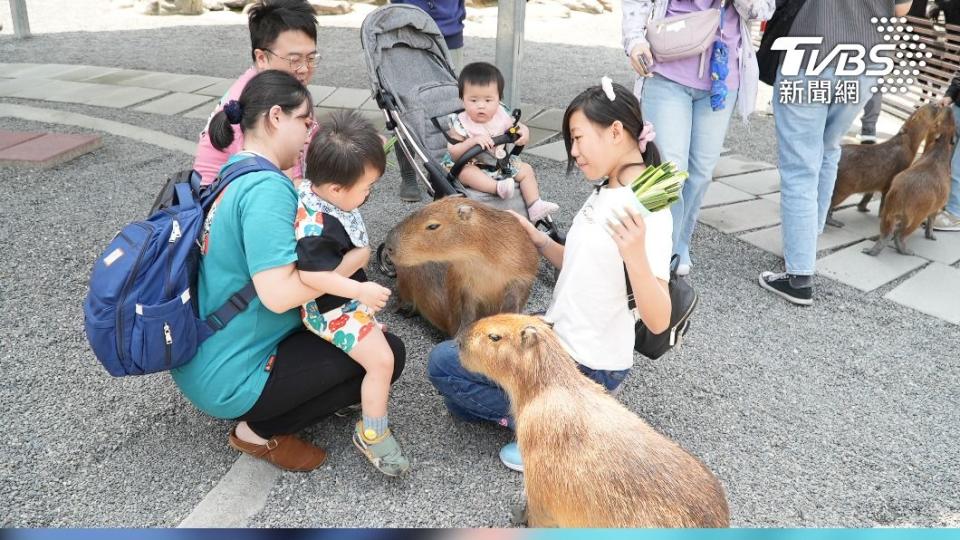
pixel 416 89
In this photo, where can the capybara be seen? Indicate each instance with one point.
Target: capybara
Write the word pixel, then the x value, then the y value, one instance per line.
pixel 588 461
pixel 869 168
pixel 458 260
pixel 920 192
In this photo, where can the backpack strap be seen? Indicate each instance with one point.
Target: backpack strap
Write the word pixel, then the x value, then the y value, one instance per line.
pixel 232 307
pixel 230 173
pixel 239 300
pixel 631 300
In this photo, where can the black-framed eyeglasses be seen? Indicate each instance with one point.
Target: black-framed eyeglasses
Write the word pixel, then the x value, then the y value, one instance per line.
pixel 296 61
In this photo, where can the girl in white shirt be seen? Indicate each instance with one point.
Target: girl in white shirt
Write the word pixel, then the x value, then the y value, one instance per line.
pixel 607 139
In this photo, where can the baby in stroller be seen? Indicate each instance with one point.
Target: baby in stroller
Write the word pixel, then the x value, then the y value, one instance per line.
pixel 494 171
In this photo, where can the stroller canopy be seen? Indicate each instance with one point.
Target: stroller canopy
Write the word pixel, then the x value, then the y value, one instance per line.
pixel 409 67
pixel 403 49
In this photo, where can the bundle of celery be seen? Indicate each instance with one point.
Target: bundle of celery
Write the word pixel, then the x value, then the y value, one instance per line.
pixel 658 187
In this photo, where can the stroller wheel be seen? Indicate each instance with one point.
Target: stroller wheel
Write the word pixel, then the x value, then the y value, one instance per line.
pixel 384 262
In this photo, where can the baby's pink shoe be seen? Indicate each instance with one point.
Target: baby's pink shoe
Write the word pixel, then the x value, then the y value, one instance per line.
pixel 541 209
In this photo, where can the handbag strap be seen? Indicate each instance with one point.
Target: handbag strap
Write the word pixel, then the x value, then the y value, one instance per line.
pixel 631 300
pixel 721 2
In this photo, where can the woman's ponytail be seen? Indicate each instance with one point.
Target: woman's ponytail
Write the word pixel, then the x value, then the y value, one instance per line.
pixel 220 131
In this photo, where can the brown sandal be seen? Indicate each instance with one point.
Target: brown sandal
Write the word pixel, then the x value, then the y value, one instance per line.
pixel 285 451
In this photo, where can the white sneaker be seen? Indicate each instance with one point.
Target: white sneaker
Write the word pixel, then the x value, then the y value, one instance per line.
pixel 945 221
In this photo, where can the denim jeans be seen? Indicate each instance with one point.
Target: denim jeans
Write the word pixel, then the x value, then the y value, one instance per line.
pixel 473 397
pixel 690 134
pixel 953 203
pixel 808 137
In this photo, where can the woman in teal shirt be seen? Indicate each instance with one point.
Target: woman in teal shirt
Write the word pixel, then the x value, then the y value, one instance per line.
pixel 264 369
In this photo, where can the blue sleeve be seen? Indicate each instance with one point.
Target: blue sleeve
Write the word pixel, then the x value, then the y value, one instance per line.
pixel 267 211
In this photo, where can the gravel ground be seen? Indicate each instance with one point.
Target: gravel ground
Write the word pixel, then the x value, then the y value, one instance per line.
pixel 842 414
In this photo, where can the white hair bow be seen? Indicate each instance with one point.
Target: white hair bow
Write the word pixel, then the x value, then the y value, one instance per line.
pixel 607 84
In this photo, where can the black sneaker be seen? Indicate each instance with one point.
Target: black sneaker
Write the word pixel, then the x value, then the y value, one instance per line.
pixel 779 284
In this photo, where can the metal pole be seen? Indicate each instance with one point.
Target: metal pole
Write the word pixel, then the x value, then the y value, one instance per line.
pixel 21 25
pixel 510 14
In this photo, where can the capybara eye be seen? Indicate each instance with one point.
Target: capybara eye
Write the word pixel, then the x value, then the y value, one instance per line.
pixel 494 337
pixel 433 226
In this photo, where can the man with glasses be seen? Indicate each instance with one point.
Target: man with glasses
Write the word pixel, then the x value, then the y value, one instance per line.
pixel 283 36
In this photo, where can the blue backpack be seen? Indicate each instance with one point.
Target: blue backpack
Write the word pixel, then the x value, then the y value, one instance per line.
pixel 141 314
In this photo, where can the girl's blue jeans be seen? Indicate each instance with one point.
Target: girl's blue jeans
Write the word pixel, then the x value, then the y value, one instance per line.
pixel 473 397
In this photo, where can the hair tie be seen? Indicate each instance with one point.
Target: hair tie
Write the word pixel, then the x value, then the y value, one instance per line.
pixel 234 111
pixel 647 134
pixel 607 84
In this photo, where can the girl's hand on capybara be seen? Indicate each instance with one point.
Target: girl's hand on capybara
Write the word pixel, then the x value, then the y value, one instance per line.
pixel 536 236
pixel 373 296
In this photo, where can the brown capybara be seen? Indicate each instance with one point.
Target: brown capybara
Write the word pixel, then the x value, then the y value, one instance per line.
pixel 588 461
pixel 869 168
pixel 458 260
pixel 920 192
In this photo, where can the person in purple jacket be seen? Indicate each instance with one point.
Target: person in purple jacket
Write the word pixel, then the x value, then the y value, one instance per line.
pixel 676 97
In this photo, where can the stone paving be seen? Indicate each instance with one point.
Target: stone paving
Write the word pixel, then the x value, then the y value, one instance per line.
pixel 743 200
pixel 43 150
pixel 746 203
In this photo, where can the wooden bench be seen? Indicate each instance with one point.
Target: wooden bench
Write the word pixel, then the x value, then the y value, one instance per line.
pixel 943 40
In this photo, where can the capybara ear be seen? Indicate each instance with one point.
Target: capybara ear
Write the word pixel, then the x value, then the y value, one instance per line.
pixel 464 211
pixel 529 336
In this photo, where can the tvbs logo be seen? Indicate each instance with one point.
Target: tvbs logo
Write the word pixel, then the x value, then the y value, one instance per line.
pixel 901 55
pixel 849 57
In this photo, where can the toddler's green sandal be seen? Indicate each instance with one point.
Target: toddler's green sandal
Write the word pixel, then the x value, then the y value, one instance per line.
pixel 384 451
